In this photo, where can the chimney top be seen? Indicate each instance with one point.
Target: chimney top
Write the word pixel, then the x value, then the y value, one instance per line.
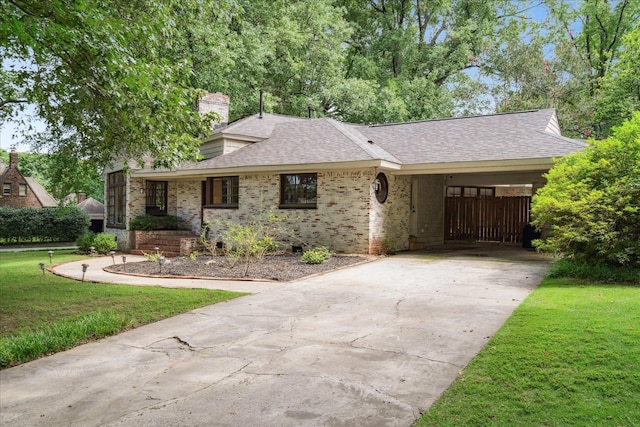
pixel 13 158
pixel 215 102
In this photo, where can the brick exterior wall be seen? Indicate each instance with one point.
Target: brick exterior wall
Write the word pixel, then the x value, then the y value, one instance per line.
pixel 340 221
pixel 390 220
pixel 15 200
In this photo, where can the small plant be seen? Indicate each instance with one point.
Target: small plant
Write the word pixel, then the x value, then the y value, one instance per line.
pixel 194 255
pixel 85 241
pixel 104 242
pixel 316 255
pixel 153 256
pixel 389 246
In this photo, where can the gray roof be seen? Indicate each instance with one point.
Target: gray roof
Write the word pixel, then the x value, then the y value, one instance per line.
pixel 41 194
pixel 294 141
pixel 523 135
pixel 307 141
pixel 94 208
pixel 256 127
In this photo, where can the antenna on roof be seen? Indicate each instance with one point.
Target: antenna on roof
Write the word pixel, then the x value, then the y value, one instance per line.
pixel 261 104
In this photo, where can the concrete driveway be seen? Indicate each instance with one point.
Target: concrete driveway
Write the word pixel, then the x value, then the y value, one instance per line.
pixel 371 345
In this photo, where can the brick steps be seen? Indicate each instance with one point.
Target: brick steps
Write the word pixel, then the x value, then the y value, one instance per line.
pixel 169 244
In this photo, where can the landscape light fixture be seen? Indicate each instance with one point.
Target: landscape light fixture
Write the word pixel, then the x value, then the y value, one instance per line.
pixel 50 256
pixel 157 249
pixel 91 250
pixel 160 262
pixel 42 267
pixel 113 256
pixel 124 263
pixel 84 270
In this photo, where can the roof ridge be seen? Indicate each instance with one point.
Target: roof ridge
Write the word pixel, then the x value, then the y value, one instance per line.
pixel 442 119
pixel 360 140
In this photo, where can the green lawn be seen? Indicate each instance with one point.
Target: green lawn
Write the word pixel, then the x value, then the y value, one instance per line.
pixel 42 314
pixel 568 356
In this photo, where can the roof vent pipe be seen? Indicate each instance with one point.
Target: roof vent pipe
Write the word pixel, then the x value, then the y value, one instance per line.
pixel 310 112
pixel 261 104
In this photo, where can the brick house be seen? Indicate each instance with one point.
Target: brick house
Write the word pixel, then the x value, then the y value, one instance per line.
pixel 352 188
pixel 19 191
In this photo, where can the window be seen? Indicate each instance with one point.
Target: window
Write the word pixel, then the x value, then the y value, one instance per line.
pixel 22 189
pixel 156 197
pixel 116 199
pixel 6 189
pixel 471 191
pixel 298 190
pixel 221 192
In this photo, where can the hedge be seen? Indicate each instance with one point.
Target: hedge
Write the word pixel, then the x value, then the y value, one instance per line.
pixel 60 224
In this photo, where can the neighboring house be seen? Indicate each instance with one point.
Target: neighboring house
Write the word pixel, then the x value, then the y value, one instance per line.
pixel 354 188
pixel 91 206
pixel 19 191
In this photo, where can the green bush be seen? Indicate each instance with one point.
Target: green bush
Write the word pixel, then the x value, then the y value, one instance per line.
pixel 85 241
pixel 104 242
pixel 590 206
pixel 152 222
pixel 60 224
pixel 573 268
pixel 317 255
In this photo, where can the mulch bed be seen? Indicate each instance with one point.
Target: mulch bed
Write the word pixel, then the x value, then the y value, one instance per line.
pixel 281 268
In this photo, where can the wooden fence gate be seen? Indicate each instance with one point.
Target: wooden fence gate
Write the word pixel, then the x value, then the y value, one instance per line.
pixel 497 219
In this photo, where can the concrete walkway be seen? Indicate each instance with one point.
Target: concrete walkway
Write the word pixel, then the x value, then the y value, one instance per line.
pixel 370 345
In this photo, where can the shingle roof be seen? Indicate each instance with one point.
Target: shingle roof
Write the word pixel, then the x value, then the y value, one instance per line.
pixel 254 126
pixel 307 141
pixel 94 208
pixel 293 141
pixel 43 196
pixel 524 135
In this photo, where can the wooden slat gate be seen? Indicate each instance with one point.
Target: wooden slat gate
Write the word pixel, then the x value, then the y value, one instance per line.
pixel 498 219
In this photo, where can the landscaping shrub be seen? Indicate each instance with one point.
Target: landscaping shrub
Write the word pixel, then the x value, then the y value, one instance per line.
pixel 85 241
pixel 569 267
pixel 590 205
pixel 316 255
pixel 152 222
pixel 104 242
pixel 60 224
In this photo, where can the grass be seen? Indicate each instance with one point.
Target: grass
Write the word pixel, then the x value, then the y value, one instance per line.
pixel 569 355
pixel 43 314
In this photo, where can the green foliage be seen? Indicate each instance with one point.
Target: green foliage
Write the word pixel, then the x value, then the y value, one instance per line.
pixel 619 95
pixel 94 72
pixel 605 273
pixel 104 242
pixel 60 336
pixel 591 202
pixel 85 241
pixel 316 255
pixel 151 222
pixel 60 224
pixel 249 242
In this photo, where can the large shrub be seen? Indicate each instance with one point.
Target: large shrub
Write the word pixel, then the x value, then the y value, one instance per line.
pixel 60 224
pixel 151 222
pixel 590 207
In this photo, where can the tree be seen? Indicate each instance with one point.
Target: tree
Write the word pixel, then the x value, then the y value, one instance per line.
pixel 591 202
pixel 93 71
pixel 562 62
pixel 619 94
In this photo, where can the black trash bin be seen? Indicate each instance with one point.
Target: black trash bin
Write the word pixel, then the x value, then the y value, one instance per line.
pixel 529 234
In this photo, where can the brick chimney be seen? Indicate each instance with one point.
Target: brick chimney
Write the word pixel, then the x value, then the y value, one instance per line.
pixel 13 159
pixel 218 103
